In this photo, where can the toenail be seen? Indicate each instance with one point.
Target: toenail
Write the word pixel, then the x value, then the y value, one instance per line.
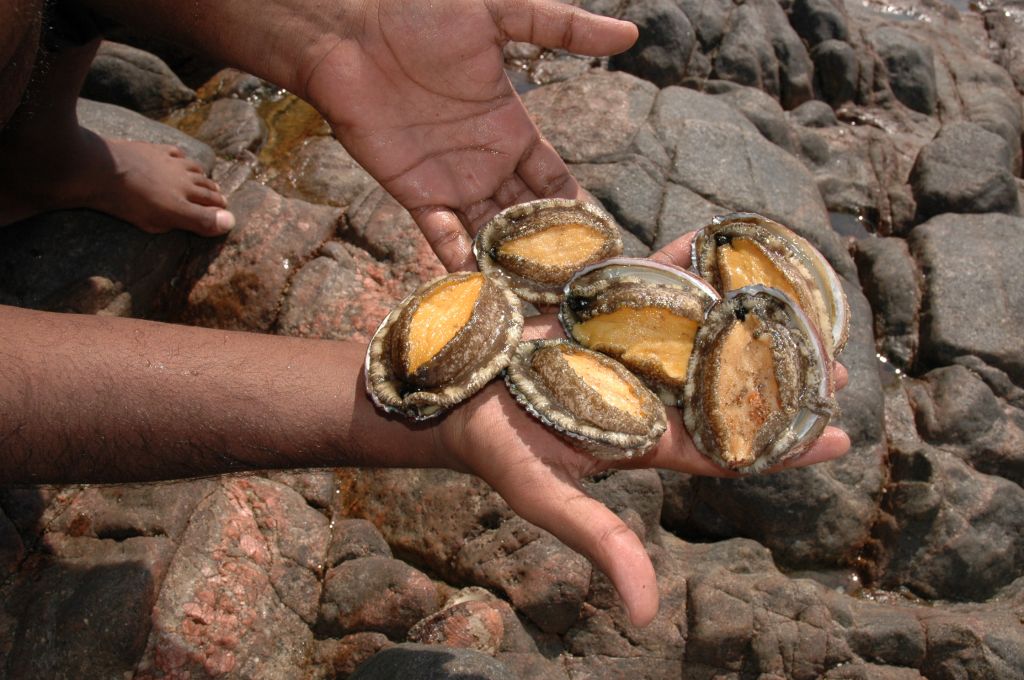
pixel 225 220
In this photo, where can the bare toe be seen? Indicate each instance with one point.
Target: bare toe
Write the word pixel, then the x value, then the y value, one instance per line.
pixel 204 196
pixel 205 181
pixel 207 220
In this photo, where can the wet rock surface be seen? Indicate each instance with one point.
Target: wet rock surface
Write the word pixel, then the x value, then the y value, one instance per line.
pixel 902 560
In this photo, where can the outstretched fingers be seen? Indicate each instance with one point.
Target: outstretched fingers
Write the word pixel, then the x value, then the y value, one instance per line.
pixel 555 25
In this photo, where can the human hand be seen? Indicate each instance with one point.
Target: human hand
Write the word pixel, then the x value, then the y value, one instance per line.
pixel 539 474
pixel 419 97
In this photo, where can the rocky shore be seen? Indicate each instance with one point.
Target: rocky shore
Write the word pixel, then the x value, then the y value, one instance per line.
pixel 890 135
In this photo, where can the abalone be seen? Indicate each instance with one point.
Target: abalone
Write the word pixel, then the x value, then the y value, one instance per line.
pixel 642 313
pixel 537 246
pixel 742 249
pixel 760 382
pixel 442 344
pixel 587 397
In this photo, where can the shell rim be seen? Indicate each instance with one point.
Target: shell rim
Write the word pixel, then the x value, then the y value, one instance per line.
pixel 450 395
pixel 530 291
pixel 810 423
pixel 597 442
pixel 669 394
pixel 824 272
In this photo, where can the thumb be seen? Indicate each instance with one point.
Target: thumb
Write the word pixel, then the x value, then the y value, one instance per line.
pixel 552 24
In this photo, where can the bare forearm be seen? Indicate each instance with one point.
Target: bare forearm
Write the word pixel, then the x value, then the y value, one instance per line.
pixel 93 399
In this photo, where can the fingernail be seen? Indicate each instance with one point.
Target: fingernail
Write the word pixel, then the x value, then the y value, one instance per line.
pixel 225 220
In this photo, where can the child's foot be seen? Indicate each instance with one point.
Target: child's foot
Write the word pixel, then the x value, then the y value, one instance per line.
pixel 153 186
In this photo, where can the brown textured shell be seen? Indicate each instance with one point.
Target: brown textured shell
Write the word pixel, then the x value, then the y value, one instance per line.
pixel 477 353
pixel 637 283
pixel 554 394
pixel 801 368
pixel 818 288
pixel 534 282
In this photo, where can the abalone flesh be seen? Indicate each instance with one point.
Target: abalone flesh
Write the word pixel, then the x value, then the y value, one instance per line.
pixel 586 396
pixel 442 344
pixel 537 246
pixel 743 249
pixel 641 312
pixel 760 382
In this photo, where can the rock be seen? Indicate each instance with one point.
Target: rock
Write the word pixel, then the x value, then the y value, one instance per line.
pixel 892 285
pixel 242 287
pixel 745 618
pixel 813 147
pixel 965 169
pixel 135 79
pixel 119 512
pixel 83 610
pixel 1002 21
pixel 885 635
pixel 997 380
pixel 836 71
pixel 375 594
pixel 675 107
pixel 872 671
pixel 88 262
pixel 741 171
pixel 955 410
pixel 709 20
pixel 355 538
pixel 866 176
pixel 972 642
pixel 233 126
pixel 92 295
pixel 436 516
pixel 815 114
pixel 910 66
pixel 340 658
pixel 666 40
pixel 817 21
pixel 466 625
pixel 430 661
pixel 12 548
pixel 114 121
pixel 348 289
pixel 542 578
pixel 634 491
pixel 683 211
pixel 533 666
pixel 744 615
pixel 956 534
pixel 318 487
pixel 760 109
pixel 973 298
pixel 603 643
pixel 630 190
pixel 242 590
pixel 762 50
pixel 973 89
pixel 333 296
pixel 323 172
pixel 584 134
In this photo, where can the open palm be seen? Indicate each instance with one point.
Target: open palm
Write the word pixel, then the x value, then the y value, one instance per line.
pixel 420 98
